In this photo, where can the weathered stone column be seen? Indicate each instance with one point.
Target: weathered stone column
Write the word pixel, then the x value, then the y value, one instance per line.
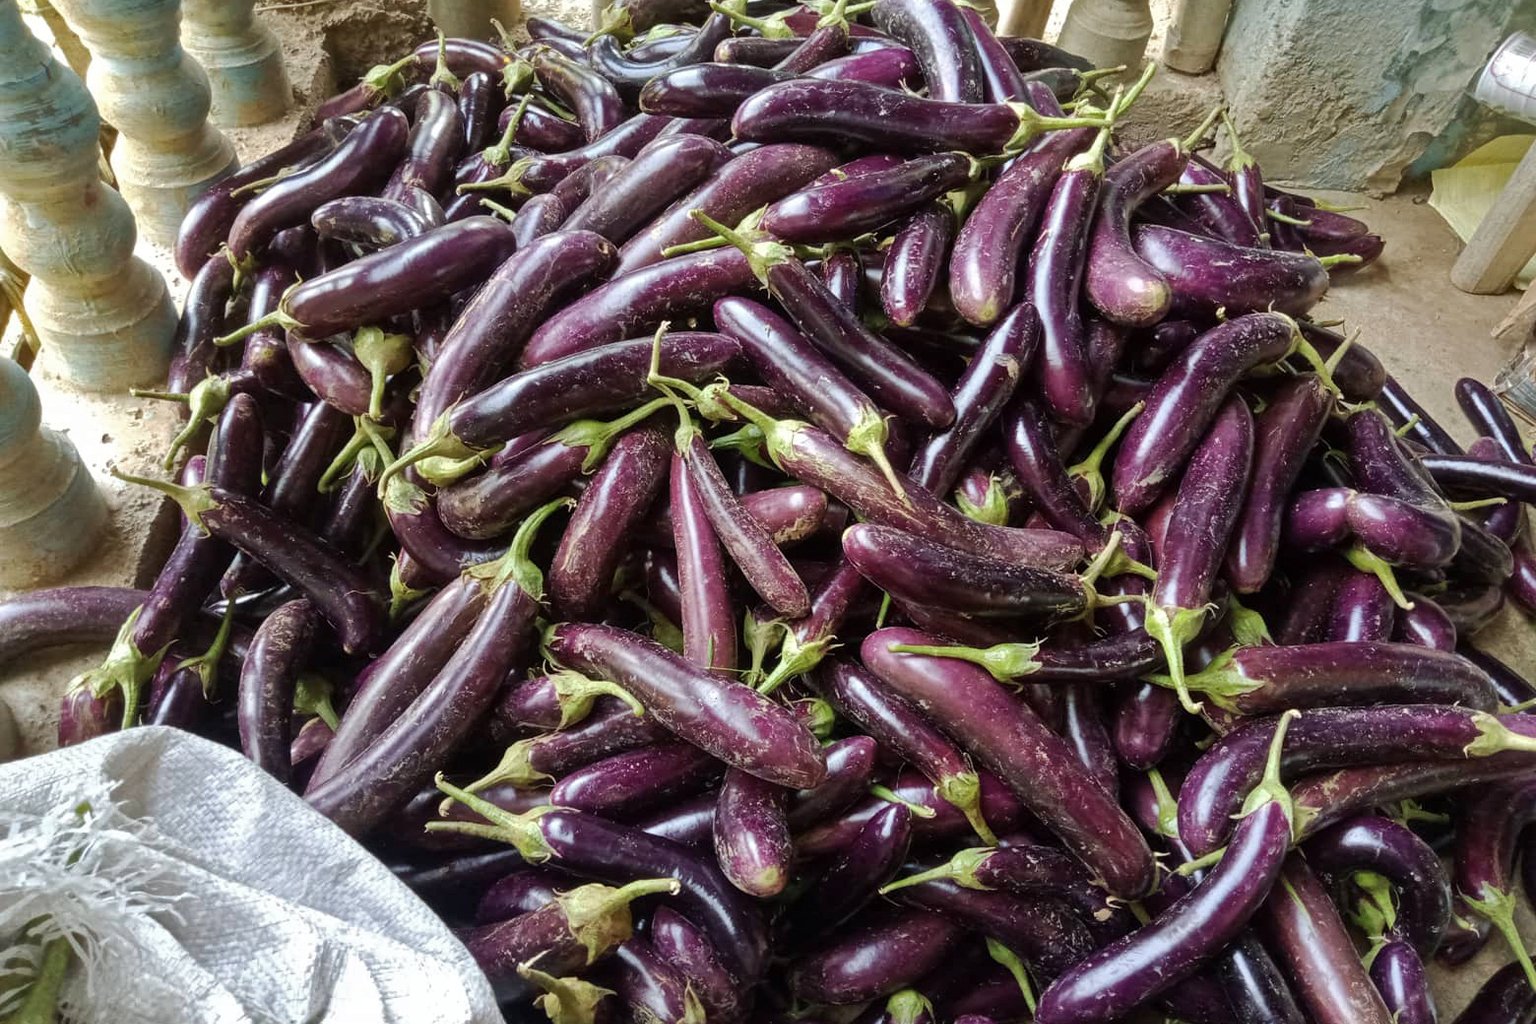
pixel 158 99
pixel 103 315
pixel 51 514
pixel 242 59
pixel 1108 32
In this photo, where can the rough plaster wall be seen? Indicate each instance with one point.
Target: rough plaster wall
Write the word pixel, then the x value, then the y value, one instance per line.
pixel 1348 93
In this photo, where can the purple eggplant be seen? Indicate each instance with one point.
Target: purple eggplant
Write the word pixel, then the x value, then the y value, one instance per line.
pixel 1285 433
pixel 267 682
pixel 808 110
pixel 630 784
pixel 1205 511
pixel 942 41
pixel 1505 998
pixel 708 615
pixel 876 954
pixel 841 210
pixel 618 496
pixel 735 190
pixel 1317 952
pixel 730 721
pixel 363 158
pixel 1207 274
pixel 680 943
pixel 657 175
pixel 416 744
pixel 1005 736
pixel 1392 851
pixel 853 878
pixel 1129 971
pixel 989 247
pixel 986 387
pixel 590 846
pixel 751 834
pixel 1185 401
pixel 900 729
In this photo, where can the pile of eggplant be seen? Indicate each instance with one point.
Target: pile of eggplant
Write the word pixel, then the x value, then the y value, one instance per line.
pixel 787 518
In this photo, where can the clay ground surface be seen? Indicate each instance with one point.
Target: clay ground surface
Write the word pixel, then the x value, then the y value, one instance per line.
pixel 1426 331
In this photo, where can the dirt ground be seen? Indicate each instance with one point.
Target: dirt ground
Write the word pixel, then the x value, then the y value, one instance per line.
pixel 1425 330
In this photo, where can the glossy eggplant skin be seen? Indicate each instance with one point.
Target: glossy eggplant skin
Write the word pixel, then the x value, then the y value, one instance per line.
pixel 1284 435
pixel 1317 952
pixel 1128 972
pixel 1185 401
pixel 1009 739
pixel 1207 274
pixel 881 951
pixel 1381 845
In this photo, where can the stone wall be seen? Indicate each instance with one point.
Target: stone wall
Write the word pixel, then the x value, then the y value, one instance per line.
pixel 1349 93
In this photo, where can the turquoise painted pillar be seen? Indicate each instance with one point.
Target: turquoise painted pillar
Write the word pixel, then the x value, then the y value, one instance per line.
pixel 104 316
pixel 51 514
pixel 158 99
pixel 242 59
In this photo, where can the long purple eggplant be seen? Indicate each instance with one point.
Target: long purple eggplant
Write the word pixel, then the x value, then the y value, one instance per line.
pixel 1204 513
pixel 1284 434
pixel 1129 971
pixel 1207 274
pixel 1317 952
pixel 1005 736
pixel 877 953
pixel 1185 401
pixel 808 110
pixel 730 721
pixel 267 682
pixel 416 745
pixel 752 841
pixel 1422 890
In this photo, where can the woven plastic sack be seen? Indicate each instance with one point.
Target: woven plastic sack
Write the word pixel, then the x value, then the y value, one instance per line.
pixel 195 888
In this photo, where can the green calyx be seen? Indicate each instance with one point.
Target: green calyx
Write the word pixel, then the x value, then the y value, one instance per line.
pixel 1248 627
pixel 1167 805
pixel 205 402
pixel 401 595
pixel 1091 468
pixel 963 791
pixel 746 441
pixel 1494 737
pixel 890 796
pixel 1010 961
pixel 1240 159
pixel 279 319
pixel 206 665
pixel 868 437
pixel 818 715
pixel 1375 913
pixel 1173 628
pixel 1006 663
pixel 796 657
pixel 125 669
pixel 520 831
pixel 195 500
pixel 762 636
pixel 501 152
pixel 1498 907
pixel 598 915
pixel 1220 681
pixel 441 76
pixel 382 355
pixel 1366 561
pixel 1271 788
pixel 909 1006
pixel 993 508
pixel 312 696
pixel 576 693
pixel 517 565
pixel 960 869
pixel 1195 139
pixel 762 253
pixel 598 436
pixel 388 79
pixel 564 1000
pixel 510 181
pixel 1033 124
pixel 774 26
pixel 440 442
